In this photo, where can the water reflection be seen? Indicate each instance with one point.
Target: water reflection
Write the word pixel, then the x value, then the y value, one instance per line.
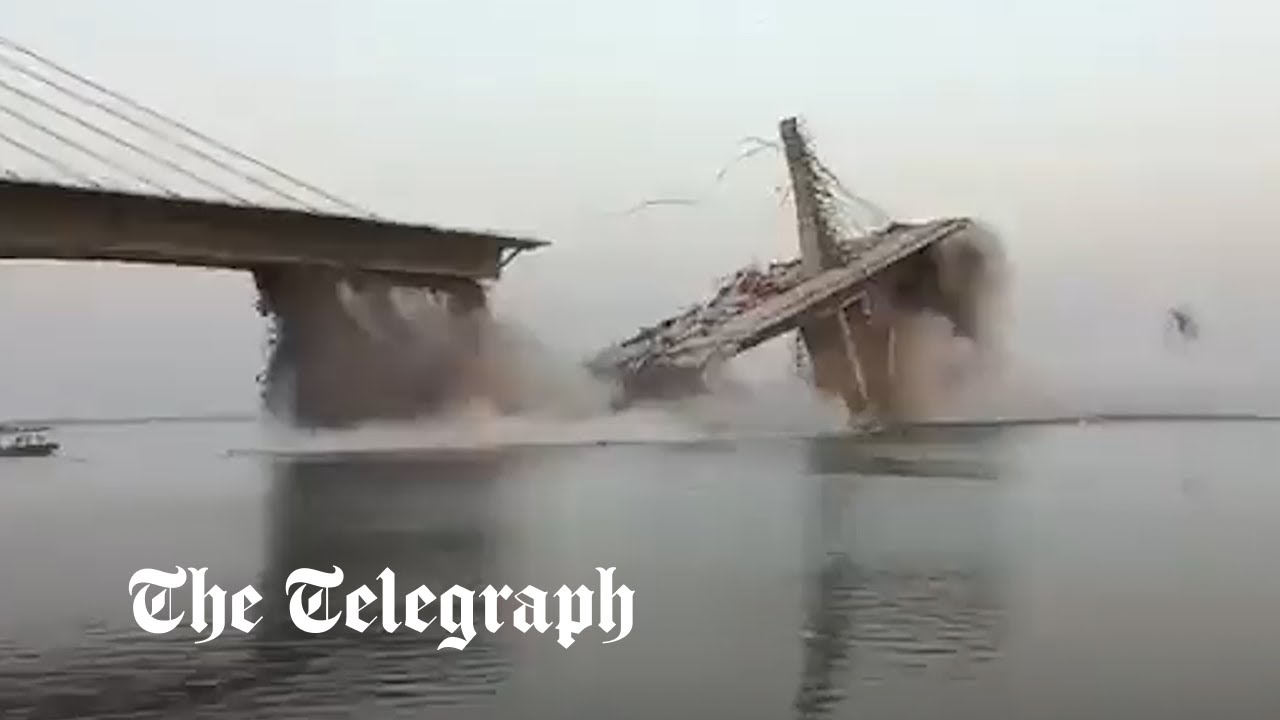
pixel 883 605
pixel 969 453
pixel 430 520
pixel 894 543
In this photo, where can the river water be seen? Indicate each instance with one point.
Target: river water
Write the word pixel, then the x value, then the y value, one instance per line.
pixel 1100 571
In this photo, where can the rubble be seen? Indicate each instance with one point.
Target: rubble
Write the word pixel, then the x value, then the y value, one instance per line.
pixel 757 304
pixel 857 297
pixel 741 291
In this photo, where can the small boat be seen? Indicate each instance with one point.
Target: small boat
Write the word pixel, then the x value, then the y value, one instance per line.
pixel 29 442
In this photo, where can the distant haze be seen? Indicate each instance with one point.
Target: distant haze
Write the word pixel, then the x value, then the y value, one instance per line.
pixel 1126 152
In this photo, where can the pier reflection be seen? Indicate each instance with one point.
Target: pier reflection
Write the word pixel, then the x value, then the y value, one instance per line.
pixel 906 578
pixel 427 518
pixel 894 542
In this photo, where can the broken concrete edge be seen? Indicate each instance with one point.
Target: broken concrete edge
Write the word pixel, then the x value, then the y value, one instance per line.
pixel 647 348
pixel 670 360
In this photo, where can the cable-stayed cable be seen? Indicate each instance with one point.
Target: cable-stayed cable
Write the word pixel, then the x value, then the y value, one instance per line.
pixel 40 127
pixel 6 42
pixel 119 140
pixel 45 157
pixel 153 131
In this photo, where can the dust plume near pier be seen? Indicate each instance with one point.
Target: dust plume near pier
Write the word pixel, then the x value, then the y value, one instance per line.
pixel 904 318
pixel 346 349
pixel 927 337
pixel 949 319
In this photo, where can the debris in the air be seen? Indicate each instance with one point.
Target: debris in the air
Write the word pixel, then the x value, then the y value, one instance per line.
pixel 1183 323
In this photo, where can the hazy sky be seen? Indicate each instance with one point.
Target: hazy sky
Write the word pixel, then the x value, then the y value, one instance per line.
pixel 1126 151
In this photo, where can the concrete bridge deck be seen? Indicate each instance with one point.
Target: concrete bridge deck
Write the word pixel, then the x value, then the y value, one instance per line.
pixel 853 298
pixel 692 342
pixel 56 222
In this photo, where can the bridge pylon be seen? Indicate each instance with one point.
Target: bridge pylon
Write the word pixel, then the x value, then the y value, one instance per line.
pixel 850 349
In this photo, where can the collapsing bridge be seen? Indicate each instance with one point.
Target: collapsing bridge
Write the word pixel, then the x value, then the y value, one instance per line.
pixel 850 298
pixel 378 319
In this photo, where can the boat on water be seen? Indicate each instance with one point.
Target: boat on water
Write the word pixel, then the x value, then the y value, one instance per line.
pixel 26 442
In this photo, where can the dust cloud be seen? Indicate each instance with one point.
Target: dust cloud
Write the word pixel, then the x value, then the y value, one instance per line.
pixel 349 349
pixel 351 392
pixel 949 357
pixel 359 364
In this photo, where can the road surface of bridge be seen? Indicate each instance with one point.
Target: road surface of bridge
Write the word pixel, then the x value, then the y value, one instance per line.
pixel 728 326
pixel 40 221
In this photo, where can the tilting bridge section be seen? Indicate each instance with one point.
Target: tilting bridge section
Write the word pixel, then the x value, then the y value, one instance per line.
pixel 852 297
pixel 675 356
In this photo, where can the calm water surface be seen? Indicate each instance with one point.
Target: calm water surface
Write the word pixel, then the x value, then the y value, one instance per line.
pixel 1122 571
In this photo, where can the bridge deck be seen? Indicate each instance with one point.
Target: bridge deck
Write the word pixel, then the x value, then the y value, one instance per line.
pixel 730 325
pixel 45 221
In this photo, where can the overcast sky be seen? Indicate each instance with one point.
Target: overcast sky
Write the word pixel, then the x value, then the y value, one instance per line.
pixel 1126 151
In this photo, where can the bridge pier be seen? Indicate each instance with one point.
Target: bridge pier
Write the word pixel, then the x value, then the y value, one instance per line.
pixel 869 338
pixel 849 348
pixel 343 350
pixel 835 370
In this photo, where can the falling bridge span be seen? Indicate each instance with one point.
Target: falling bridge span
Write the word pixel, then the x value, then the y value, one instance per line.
pixel 763 305
pixel 853 298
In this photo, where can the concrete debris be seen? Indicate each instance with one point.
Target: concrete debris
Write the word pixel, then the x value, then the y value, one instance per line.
pixel 861 303
pixel 743 290
pixel 755 304
pixel 1184 323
